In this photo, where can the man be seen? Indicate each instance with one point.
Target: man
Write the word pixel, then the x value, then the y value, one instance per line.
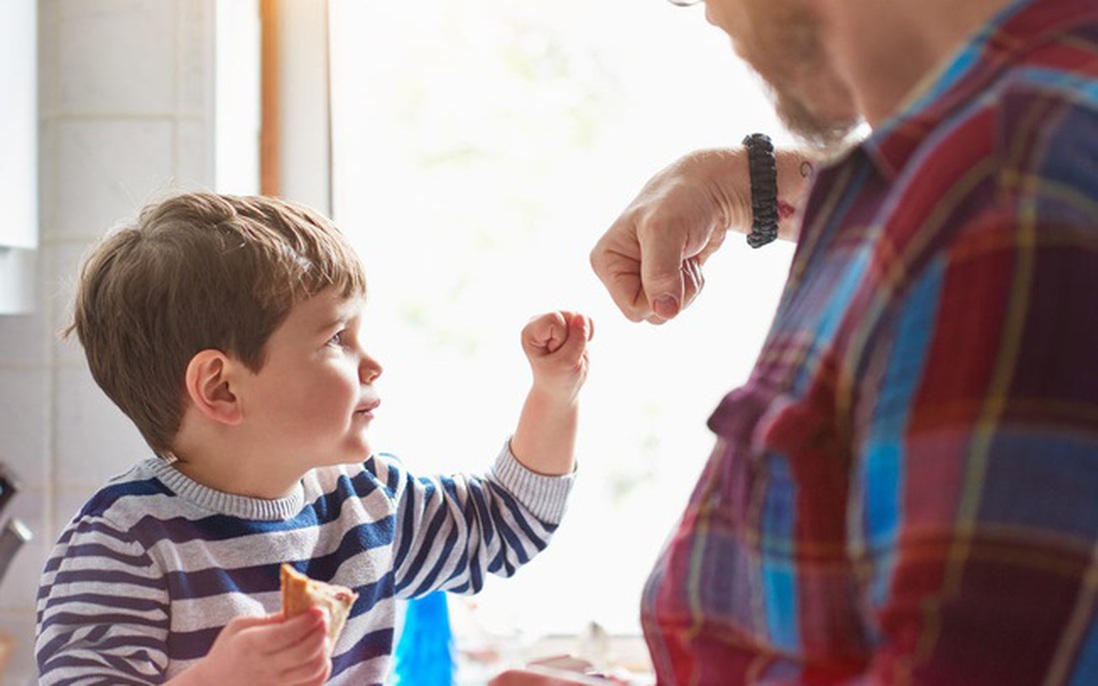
pixel 906 489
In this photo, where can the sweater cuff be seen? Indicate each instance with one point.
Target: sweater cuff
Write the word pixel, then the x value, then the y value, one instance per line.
pixel 546 497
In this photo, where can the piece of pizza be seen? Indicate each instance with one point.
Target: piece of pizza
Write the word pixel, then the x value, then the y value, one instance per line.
pixel 299 593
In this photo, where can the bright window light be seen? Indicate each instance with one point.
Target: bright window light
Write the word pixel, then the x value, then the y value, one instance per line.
pixel 481 147
pixel 236 95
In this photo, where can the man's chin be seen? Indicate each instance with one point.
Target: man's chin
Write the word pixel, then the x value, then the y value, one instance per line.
pixel 827 133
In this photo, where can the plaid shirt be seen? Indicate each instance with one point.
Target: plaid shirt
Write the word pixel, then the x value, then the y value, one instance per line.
pixel 906 489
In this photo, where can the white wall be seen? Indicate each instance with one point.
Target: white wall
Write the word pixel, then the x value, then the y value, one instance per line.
pixel 126 112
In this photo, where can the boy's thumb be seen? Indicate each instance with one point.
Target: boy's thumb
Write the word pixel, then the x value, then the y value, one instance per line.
pixel 579 332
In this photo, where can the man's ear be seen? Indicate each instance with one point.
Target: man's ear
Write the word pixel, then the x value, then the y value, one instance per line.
pixel 208 378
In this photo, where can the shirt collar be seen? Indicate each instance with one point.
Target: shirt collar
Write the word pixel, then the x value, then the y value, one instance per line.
pixel 1014 31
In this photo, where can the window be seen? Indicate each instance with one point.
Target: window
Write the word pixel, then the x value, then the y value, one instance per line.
pixel 480 149
pixel 237 97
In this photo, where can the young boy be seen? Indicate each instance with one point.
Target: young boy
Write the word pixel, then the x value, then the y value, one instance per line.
pixel 230 330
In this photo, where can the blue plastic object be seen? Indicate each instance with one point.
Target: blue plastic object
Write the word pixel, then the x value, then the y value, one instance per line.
pixel 425 651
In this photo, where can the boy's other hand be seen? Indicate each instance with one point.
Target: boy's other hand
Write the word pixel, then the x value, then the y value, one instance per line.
pixel 556 345
pixel 268 650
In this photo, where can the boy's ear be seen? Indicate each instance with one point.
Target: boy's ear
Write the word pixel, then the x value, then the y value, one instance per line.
pixel 209 389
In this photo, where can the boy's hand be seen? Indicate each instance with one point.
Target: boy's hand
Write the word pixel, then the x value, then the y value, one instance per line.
pixel 556 345
pixel 545 438
pixel 268 650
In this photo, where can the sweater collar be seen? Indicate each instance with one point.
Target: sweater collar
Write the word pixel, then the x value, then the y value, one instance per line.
pixel 220 502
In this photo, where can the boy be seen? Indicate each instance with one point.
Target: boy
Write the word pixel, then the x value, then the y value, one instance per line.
pixel 230 331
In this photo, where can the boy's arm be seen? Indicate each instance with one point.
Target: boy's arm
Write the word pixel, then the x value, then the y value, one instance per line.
pixel 102 608
pixel 556 345
pixel 451 531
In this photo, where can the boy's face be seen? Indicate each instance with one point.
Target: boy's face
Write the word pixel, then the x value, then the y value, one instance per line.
pixel 313 399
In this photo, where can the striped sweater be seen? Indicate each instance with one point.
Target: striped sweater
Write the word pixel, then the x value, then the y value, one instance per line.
pixel 155 564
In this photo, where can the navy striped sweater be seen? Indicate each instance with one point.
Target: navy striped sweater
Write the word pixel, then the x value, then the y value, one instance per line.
pixel 146 575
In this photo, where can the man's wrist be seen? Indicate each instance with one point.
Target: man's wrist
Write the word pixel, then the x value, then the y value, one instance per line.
pixel 723 172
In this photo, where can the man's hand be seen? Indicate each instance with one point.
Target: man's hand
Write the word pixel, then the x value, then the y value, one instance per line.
pixel 267 650
pixel 651 257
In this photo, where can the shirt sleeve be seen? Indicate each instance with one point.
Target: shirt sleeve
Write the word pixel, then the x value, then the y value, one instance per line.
pixel 102 614
pixel 451 530
pixel 976 480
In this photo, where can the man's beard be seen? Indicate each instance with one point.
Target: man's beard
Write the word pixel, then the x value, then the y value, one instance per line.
pixel 812 102
pixel 824 134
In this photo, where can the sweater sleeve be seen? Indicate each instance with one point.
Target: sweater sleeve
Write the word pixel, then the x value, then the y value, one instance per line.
pixel 102 611
pixel 451 530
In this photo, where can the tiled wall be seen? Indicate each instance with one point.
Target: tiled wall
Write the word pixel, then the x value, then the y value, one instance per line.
pixel 126 101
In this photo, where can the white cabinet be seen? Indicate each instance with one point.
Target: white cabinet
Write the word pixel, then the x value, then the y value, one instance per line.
pixel 18 153
pixel 18 124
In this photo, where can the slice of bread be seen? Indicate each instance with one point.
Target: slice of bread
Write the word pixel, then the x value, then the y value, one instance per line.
pixel 300 593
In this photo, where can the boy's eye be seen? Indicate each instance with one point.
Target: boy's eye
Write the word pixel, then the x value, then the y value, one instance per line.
pixel 336 341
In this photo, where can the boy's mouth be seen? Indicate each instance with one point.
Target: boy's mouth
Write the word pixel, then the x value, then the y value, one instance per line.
pixel 366 409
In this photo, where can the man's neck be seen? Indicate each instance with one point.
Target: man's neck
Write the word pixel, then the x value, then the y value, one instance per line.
pixel 885 49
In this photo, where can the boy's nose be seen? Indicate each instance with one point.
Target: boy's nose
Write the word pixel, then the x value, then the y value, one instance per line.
pixel 369 369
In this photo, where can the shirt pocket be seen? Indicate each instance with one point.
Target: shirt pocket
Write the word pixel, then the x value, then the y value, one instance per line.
pixel 802 487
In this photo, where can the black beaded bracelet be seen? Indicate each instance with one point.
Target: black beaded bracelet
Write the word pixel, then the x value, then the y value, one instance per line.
pixel 763 173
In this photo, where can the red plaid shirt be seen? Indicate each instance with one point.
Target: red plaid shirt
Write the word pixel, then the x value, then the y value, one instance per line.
pixel 906 489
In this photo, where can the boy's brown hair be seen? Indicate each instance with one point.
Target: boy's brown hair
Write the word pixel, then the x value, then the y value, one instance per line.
pixel 194 272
